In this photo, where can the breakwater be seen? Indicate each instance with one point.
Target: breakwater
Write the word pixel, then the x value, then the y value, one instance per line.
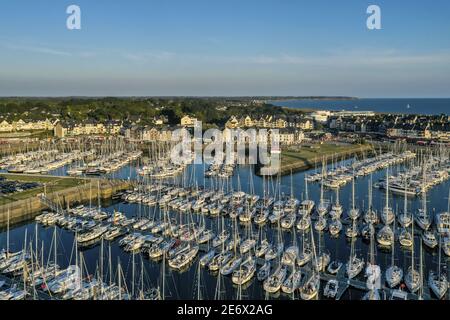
pixel 92 190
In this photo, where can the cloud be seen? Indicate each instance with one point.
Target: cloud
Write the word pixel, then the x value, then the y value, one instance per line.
pixel 374 58
pixel 50 51
pixel 38 49
pixel 144 57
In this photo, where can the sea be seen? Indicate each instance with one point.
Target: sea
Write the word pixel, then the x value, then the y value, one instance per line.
pixel 426 106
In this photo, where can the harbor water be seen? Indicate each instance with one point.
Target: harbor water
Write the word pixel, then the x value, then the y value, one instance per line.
pixel 196 281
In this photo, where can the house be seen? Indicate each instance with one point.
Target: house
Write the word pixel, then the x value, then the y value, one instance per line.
pixel 248 122
pixel 305 125
pixel 113 127
pixel 409 131
pixel 321 116
pixel 5 126
pixel 232 123
pixel 188 121
pixel 155 134
pixel 66 128
pixel 280 123
pixel 288 136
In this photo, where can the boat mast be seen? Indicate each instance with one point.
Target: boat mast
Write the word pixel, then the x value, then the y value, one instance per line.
pixel 55 250
pixel 7 235
pixel 353 190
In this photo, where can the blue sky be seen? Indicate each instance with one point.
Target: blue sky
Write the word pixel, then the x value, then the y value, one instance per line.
pixel 226 47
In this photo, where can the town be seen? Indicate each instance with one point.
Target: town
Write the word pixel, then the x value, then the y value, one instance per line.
pixel 295 126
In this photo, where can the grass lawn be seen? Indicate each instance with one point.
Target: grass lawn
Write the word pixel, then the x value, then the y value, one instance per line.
pixel 308 156
pixel 52 184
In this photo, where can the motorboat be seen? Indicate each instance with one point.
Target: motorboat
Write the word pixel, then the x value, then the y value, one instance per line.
pixel 429 239
pixel 331 289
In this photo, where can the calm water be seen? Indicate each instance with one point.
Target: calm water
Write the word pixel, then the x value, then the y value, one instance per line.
pixel 416 106
pixel 184 285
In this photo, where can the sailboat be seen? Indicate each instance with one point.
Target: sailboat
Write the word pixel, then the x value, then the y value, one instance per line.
pixel 394 274
pixel 264 271
pixel 245 272
pixel 354 211
pixel 320 224
pixel 405 238
pixel 184 258
pixel 370 216
pixel 335 227
pixel 292 282
pixel 273 283
pixel 262 248
pixel 388 215
pixel 290 255
pixel 351 231
pixel 412 277
pixel 310 289
pixel 422 218
pixel 373 274
pixel 336 208
pixel 438 281
pixel 355 264
pixel 385 236
pixel 322 208
pixel 405 218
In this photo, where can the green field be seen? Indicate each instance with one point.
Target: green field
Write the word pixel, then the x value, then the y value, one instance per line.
pixel 52 184
pixel 307 157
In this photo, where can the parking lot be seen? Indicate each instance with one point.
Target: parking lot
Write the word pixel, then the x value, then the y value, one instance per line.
pixel 8 187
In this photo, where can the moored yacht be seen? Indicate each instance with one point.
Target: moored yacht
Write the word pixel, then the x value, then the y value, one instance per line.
pixel 245 272
pixel 273 283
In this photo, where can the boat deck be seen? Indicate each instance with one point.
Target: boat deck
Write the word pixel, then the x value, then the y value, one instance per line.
pixel 40 295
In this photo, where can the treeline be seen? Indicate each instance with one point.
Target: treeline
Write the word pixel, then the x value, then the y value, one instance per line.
pixel 208 110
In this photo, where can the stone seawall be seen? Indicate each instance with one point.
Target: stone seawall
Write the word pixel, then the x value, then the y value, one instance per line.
pixel 26 209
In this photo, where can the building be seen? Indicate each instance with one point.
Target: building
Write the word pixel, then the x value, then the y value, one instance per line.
pixel 90 127
pixel 22 125
pixel 280 123
pixel 408 131
pixel 305 125
pixel 321 116
pixel 155 134
pixel 188 121
pixel 232 123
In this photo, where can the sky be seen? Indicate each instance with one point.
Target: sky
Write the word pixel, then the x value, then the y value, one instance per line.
pixel 225 47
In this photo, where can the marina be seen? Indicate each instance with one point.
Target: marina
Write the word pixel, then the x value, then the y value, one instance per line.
pixel 241 237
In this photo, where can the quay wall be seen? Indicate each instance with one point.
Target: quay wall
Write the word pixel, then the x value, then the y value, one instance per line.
pixel 303 165
pixel 25 209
